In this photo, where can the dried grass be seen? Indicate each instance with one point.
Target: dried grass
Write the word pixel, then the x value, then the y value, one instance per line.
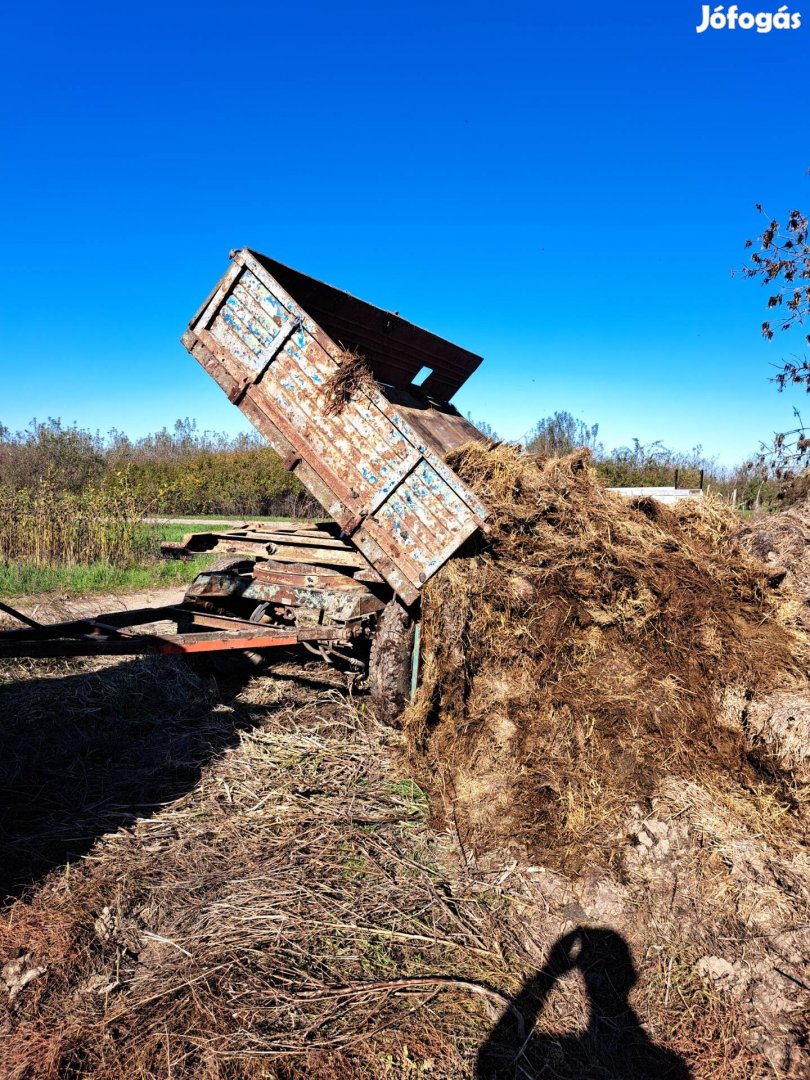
pixel 351 377
pixel 288 917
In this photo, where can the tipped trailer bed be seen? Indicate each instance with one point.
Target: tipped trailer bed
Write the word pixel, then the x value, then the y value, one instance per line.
pixel 376 465
pixel 346 589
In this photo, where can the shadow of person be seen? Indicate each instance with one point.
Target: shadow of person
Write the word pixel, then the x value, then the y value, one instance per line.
pixel 614 1046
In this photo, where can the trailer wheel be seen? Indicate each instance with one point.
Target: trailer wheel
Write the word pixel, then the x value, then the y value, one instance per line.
pixel 390 662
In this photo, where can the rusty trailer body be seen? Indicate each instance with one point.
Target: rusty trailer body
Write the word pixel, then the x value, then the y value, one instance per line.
pixel 346 589
pixel 272 337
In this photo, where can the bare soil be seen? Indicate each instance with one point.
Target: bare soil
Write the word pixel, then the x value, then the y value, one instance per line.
pixel 47 608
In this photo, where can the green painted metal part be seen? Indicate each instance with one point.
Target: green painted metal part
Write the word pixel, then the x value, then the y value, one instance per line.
pixel 417 638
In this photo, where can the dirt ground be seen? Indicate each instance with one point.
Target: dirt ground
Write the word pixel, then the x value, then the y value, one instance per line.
pixel 242 879
pixel 48 608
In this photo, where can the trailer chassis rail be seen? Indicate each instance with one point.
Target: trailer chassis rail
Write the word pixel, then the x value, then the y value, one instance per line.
pixel 111 634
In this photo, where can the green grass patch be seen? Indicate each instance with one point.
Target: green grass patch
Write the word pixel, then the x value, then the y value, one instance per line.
pixel 207 520
pixel 170 530
pixel 21 578
pixel 415 800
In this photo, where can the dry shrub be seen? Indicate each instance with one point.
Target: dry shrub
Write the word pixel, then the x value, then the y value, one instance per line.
pixel 577 655
pixel 352 375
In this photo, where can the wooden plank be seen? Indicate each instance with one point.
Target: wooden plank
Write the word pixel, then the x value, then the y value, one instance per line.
pixel 307 540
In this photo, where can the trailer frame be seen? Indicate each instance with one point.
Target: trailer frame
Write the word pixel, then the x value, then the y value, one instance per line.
pixel 111 634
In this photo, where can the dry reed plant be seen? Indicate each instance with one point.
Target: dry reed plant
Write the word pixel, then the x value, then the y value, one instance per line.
pixel 46 526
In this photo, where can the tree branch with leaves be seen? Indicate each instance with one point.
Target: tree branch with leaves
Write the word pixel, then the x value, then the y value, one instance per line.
pixel 781 263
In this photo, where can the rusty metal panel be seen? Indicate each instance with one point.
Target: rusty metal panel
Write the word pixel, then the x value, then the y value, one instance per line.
pixel 437 421
pixel 383 481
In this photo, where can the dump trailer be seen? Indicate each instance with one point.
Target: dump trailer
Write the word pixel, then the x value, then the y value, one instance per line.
pixel 371 450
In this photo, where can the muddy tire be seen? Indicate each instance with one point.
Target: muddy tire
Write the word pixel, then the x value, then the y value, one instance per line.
pixel 389 665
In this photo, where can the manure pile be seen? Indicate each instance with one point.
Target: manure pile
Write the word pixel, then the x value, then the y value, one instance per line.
pixel 782 541
pixel 588 648
pixel 615 693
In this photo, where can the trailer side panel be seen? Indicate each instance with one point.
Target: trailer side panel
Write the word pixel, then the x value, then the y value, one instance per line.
pixel 381 480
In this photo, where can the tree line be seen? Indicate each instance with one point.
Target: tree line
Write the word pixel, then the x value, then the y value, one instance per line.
pixel 183 471
pixel 749 485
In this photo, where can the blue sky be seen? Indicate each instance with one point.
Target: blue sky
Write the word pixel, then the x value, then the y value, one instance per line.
pixel 563 189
